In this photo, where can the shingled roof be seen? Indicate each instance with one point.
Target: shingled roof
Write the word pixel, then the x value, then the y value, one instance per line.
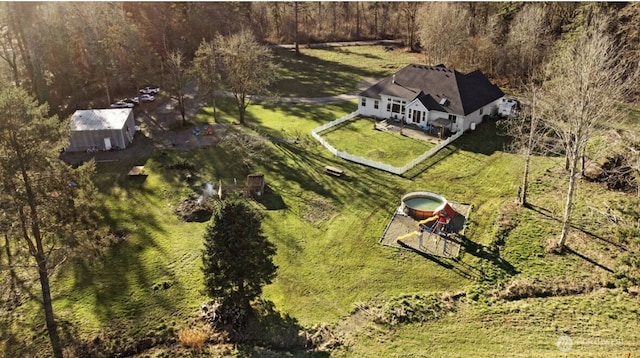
pixel 465 93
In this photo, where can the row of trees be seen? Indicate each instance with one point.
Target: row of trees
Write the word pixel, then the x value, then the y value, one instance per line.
pixel 69 54
pixel 235 64
pixel 582 88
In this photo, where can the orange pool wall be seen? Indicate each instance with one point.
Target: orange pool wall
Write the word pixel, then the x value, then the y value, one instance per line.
pixel 421 214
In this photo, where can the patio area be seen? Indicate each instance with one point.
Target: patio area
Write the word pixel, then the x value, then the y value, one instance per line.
pixel 411 130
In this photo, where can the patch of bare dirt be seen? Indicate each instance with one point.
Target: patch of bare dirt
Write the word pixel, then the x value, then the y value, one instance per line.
pixel 615 173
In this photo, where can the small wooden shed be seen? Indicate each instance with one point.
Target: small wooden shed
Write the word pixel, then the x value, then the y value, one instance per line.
pixel 255 184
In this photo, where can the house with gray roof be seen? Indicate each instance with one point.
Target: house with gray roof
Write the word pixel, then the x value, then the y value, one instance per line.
pixel 101 129
pixel 432 96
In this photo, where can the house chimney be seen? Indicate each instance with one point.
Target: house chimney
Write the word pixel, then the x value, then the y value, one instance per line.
pixel 393 79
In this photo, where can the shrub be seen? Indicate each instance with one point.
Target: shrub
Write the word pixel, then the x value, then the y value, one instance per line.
pixel 193 337
pixel 522 288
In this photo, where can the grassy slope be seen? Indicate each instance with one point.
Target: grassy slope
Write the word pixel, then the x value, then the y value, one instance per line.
pixel 327 229
pixel 600 325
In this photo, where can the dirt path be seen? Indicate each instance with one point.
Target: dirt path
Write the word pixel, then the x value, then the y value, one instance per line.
pixel 162 122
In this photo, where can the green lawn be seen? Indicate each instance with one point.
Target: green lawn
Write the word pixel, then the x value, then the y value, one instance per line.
pixel 333 71
pixel 358 137
pixel 326 231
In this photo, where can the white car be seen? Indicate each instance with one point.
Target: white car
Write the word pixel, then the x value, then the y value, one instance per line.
pixel 121 104
pixel 150 90
pixel 147 98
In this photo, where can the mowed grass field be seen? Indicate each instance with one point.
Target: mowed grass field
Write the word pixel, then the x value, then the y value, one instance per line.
pixel 326 231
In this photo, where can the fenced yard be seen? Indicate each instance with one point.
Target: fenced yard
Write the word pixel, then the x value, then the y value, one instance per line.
pixel 355 139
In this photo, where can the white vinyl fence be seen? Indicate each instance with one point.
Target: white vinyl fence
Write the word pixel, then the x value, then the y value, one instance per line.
pixel 373 163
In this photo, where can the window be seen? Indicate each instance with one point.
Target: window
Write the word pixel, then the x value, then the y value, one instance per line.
pixel 376 103
pixel 452 117
pixel 389 106
pixel 481 111
pixel 364 102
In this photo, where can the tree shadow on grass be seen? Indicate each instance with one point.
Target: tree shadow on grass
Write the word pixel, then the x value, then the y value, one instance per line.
pixel 312 76
pixel 548 214
pixel 569 250
pixel 271 200
pixel 270 332
pixel 430 162
pixel 487 254
pixel 454 264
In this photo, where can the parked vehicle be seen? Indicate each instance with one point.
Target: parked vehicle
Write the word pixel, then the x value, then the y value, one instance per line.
pixel 133 100
pixel 508 108
pixel 150 90
pixel 147 98
pixel 121 104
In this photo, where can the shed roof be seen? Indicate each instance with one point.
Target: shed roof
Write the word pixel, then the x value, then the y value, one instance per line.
pixel 464 93
pixel 99 119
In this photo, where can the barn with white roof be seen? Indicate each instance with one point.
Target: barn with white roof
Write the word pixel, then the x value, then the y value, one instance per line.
pixel 101 129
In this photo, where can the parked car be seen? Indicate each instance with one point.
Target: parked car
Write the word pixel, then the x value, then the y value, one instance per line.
pixel 508 108
pixel 150 90
pixel 121 104
pixel 134 100
pixel 147 98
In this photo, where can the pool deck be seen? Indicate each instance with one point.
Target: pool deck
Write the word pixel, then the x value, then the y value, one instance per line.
pixel 403 232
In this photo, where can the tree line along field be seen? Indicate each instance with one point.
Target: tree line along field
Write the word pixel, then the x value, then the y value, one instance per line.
pixel 509 293
pixel 120 47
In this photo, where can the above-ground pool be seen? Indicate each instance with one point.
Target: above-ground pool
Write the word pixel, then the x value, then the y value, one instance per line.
pixel 422 204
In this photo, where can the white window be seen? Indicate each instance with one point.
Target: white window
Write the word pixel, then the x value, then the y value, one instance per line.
pixel 375 104
pixel 364 102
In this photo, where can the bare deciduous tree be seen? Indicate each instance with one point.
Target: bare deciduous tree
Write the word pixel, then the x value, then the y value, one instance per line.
pixel 583 87
pixel 245 66
pixel 178 75
pixel 527 40
pixel 205 71
pixel 443 29
pixel 527 137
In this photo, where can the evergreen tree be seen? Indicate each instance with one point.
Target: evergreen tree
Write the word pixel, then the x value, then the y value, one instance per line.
pixel 237 259
pixel 49 206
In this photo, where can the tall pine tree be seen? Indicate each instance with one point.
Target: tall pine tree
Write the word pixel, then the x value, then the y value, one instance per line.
pixel 238 258
pixel 49 205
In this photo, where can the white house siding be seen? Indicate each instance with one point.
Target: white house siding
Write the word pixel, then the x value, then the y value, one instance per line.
pixel 393 102
pixel 416 107
pixel 477 116
pixel 369 110
pixel 461 122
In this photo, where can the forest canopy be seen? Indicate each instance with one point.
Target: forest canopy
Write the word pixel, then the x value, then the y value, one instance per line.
pixel 119 46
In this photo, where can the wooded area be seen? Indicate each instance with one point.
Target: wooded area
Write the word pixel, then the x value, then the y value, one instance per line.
pixel 79 54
